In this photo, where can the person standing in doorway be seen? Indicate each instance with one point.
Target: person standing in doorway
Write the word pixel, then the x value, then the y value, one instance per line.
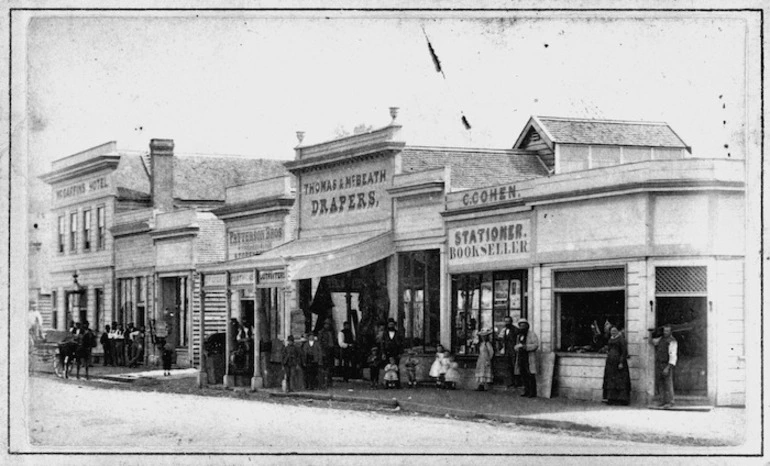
pixel 346 344
pixel 526 359
pixel 666 349
pixel 507 338
pixel 106 346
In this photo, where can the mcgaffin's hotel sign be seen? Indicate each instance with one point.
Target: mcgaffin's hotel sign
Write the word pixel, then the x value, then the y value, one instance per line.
pixel 82 188
pixel 489 241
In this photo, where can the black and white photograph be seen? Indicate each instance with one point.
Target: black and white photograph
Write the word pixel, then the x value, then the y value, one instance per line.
pixel 253 233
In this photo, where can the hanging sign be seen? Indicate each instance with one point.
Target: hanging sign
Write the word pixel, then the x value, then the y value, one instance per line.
pixel 242 278
pixel 214 281
pixel 272 277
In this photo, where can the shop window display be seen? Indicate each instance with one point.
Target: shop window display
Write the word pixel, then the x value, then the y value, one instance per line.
pixel 419 307
pixel 583 319
pixel 483 300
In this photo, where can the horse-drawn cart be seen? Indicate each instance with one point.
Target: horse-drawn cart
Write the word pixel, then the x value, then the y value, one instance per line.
pixel 49 349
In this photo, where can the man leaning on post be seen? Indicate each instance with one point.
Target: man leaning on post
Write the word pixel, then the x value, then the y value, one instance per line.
pixel 666 348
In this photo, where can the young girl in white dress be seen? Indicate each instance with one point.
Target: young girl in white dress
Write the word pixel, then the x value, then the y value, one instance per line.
pixel 439 367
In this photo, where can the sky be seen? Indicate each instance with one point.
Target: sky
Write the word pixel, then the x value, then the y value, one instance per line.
pixel 245 82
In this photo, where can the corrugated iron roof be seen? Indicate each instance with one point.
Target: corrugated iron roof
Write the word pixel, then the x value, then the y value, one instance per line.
pixel 474 167
pixel 609 132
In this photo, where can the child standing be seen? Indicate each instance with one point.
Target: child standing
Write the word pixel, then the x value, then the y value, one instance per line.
pixel 452 376
pixel 411 364
pixel 439 367
pixel 391 373
pixel 373 362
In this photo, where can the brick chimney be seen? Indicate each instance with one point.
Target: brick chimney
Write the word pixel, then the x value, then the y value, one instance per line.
pixel 162 162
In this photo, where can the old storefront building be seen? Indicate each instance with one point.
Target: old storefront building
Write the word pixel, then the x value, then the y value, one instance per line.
pixel 627 228
pixel 369 241
pixel 89 189
pixel 580 224
pixel 134 226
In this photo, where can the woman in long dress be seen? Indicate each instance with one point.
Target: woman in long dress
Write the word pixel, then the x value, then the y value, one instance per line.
pixel 617 380
pixel 484 362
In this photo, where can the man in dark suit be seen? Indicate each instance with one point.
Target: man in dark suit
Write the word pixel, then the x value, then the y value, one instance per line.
pixel 392 345
pixel 507 338
pixel 312 357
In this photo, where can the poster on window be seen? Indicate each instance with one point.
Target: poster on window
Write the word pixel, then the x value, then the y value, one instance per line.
pixel 501 293
pixel 486 295
pixel 515 294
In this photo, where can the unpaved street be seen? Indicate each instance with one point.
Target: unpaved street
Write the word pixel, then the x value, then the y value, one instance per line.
pixel 72 416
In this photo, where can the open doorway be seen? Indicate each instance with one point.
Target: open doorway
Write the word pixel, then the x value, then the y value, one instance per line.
pixel 175 318
pixel 681 301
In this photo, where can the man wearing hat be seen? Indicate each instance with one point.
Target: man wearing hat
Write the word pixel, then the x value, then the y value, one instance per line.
pixel 507 338
pixel 312 357
pixel 526 360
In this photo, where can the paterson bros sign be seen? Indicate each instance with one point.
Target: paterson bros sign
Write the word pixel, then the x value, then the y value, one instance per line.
pixel 481 243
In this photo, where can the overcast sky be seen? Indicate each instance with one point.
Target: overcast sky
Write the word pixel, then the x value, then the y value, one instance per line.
pixel 245 82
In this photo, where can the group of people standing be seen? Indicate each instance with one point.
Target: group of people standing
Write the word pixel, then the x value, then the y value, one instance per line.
pixel 310 364
pixel 123 347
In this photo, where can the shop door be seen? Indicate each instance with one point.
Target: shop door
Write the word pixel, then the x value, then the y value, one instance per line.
pixel 174 307
pixel 687 316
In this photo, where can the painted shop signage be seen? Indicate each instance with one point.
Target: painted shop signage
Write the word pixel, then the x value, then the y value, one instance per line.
pixel 346 193
pixel 480 243
pixel 486 196
pixel 241 278
pixel 82 188
pixel 216 281
pixel 272 277
pixel 355 193
pixel 245 242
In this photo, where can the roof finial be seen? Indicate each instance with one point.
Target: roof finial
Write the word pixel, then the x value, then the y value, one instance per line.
pixel 393 114
pixel 300 137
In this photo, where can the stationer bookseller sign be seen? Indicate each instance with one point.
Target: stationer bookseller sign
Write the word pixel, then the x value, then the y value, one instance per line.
pixel 489 241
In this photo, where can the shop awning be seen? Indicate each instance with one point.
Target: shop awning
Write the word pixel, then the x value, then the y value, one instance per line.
pixel 324 256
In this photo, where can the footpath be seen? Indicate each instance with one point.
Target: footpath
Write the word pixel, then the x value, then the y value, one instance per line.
pixel 718 426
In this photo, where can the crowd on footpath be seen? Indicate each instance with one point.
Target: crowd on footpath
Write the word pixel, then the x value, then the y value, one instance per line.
pixel 123 346
pixel 309 364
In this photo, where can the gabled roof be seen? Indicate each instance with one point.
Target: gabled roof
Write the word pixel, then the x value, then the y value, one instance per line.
pixel 474 167
pixel 205 178
pixel 602 132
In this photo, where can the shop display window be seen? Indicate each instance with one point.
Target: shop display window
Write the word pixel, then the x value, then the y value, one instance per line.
pixel 587 302
pixel 419 307
pixel 484 300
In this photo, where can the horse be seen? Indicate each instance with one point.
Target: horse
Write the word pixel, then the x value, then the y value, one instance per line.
pixel 73 349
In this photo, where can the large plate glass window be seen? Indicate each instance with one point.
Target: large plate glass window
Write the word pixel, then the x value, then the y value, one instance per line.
pixel 483 300
pixel 419 306
pixel 585 301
